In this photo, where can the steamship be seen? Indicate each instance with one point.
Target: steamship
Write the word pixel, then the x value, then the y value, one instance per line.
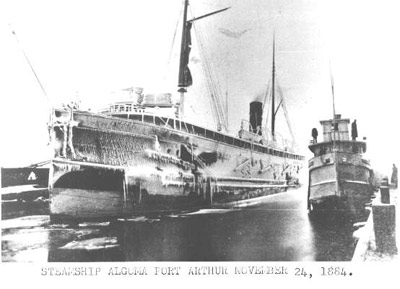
pixel 140 155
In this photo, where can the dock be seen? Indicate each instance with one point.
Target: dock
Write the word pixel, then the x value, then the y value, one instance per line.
pixel 384 247
pixel 19 200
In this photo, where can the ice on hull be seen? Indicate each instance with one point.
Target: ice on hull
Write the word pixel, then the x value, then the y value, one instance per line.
pixel 83 192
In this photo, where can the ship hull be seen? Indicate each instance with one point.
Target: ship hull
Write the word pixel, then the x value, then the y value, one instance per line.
pixel 127 195
pixel 111 167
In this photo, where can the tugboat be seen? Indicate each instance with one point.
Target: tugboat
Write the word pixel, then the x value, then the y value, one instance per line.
pixel 339 177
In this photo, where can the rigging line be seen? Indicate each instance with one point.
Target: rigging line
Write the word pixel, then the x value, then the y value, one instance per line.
pixel 212 87
pixel 212 81
pixel 192 108
pixel 285 111
pixel 172 44
pixel 277 108
pixel 226 107
pixel 204 63
pixel 209 85
pixel 216 95
pixel 267 92
pixel 268 103
pixel 30 64
pixel 207 64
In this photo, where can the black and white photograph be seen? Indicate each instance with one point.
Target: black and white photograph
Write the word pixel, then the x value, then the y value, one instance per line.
pixel 247 140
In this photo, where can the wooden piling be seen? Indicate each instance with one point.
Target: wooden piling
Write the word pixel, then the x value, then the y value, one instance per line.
pixel 384 219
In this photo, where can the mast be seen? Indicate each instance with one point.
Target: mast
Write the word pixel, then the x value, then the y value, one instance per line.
pixel 273 91
pixel 182 63
pixel 335 126
pixel 334 122
pixel 333 91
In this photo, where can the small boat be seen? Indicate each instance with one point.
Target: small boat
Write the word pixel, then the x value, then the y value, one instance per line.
pixel 339 177
pixel 33 175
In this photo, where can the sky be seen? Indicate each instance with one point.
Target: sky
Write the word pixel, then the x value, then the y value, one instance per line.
pixel 91 50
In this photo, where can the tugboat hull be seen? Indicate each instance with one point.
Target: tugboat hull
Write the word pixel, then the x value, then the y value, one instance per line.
pixel 335 185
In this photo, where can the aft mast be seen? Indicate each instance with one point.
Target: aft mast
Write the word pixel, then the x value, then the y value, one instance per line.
pixel 273 91
pixel 276 106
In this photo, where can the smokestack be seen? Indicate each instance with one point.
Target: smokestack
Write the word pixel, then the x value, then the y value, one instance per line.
pixel 256 111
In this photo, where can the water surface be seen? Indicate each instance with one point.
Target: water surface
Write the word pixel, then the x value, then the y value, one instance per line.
pixel 277 230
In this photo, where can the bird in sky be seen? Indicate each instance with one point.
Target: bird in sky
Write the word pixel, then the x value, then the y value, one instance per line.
pixel 233 34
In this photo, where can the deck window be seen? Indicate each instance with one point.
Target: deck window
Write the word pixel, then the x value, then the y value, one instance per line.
pixel 171 123
pixel 157 120
pixel 148 118
pixel 136 117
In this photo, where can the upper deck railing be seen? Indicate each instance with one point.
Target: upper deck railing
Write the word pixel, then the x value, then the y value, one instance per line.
pixel 171 121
